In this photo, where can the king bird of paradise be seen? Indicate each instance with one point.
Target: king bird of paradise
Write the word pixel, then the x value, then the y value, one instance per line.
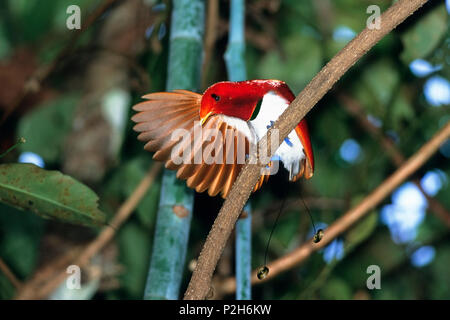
pixel 239 112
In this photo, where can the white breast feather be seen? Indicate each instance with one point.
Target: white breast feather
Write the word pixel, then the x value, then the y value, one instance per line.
pixel 272 107
pixel 241 126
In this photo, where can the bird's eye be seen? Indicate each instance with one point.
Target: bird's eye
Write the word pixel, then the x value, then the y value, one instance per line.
pixel 215 96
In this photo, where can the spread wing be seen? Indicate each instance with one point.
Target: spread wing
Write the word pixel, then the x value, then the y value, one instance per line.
pixel 224 147
pixel 163 113
pixel 208 156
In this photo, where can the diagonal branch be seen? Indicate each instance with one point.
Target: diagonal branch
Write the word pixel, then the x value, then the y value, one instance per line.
pixel 10 275
pixel 356 110
pixel 348 219
pixel 200 283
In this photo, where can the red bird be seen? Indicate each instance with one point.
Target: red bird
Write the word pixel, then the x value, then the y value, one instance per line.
pixel 235 111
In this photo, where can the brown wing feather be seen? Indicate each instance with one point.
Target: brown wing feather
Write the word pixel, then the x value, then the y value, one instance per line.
pixel 206 173
pixel 216 184
pixel 187 170
pixel 234 170
pixel 164 112
pixel 222 179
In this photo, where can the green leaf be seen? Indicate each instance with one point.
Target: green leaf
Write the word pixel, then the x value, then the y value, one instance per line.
pixel 49 194
pixel 379 83
pixel 123 183
pixel 45 128
pixel 303 60
pixel 379 250
pixel 20 235
pixel 336 289
pixel 401 109
pixel 134 246
pixel 5 45
pixel 131 175
pixel 36 19
pixel 403 287
pixel 20 239
pixel 422 38
pixel 440 280
pixel 361 231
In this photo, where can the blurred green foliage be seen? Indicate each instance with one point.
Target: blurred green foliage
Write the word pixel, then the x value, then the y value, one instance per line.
pixel 53 121
pixel 289 40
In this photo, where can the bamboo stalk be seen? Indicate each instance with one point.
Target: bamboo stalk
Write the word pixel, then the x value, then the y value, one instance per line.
pixel 244 255
pixel 176 200
pixel 234 58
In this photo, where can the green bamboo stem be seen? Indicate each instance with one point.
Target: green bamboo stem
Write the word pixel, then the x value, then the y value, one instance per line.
pixel 235 62
pixel 176 200
pixel 244 255
pixel 234 56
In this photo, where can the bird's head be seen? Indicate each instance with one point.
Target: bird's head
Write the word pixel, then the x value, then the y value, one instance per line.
pixel 235 99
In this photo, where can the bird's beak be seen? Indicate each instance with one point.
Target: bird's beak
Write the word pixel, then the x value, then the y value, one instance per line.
pixel 203 120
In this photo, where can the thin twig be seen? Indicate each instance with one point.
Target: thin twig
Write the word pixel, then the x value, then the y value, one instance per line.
pixel 10 275
pixel 355 109
pixel 103 238
pixel 47 271
pixel 200 282
pixel 352 216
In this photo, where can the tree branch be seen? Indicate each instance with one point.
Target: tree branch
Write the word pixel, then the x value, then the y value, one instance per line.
pixel 353 215
pixel 200 283
pixel 355 109
pixel 10 275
